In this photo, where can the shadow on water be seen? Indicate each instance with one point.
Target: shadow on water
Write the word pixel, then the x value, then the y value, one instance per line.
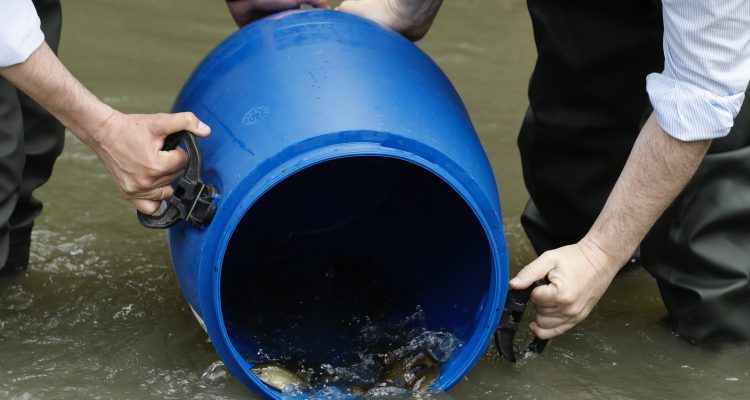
pixel 99 314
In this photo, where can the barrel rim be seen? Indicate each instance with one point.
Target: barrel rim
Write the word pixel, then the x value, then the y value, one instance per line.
pixel 418 155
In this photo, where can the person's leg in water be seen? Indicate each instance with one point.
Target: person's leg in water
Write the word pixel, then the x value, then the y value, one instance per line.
pixel 699 251
pixel 32 139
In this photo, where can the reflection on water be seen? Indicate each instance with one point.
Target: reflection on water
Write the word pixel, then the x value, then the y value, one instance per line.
pixel 99 315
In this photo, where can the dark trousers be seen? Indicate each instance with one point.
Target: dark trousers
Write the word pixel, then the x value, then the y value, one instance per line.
pixel 588 102
pixel 30 141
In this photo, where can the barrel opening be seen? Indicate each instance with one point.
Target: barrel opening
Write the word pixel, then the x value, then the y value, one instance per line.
pixel 354 239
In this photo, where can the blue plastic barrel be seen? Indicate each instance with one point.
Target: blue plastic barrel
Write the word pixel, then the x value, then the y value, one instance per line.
pixel 337 144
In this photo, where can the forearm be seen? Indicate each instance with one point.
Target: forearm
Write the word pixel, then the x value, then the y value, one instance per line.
pixel 45 79
pixel 658 168
pixel 129 145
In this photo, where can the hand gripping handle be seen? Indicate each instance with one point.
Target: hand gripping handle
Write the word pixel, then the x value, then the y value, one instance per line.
pixel 515 305
pixel 192 199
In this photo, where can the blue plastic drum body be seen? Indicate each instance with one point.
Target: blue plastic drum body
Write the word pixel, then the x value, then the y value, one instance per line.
pixel 337 145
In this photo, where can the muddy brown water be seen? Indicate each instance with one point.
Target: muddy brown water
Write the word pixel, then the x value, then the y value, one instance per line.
pixel 99 314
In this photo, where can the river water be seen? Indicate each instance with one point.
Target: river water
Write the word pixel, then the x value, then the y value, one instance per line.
pixel 99 314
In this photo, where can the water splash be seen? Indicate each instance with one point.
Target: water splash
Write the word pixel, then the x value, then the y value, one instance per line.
pixel 388 359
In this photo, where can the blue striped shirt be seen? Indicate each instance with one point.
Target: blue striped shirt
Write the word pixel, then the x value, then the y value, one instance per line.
pixel 706 67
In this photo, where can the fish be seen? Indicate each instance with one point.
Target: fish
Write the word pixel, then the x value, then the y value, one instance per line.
pixel 406 372
pixel 395 373
pixel 424 360
pixel 425 378
pixel 279 378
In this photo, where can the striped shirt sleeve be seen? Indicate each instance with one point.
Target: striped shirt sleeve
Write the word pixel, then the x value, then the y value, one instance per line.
pixel 706 67
pixel 20 32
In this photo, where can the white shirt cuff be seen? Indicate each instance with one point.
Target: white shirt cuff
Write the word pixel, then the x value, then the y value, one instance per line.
pixel 20 33
pixel 688 112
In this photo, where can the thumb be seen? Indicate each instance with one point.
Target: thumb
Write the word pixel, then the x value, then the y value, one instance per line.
pixel 167 124
pixel 533 272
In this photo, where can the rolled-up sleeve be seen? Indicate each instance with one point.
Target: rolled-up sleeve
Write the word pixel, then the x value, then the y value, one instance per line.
pixel 706 67
pixel 20 32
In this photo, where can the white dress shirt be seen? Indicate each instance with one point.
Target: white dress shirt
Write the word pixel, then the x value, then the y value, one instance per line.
pixel 706 67
pixel 20 34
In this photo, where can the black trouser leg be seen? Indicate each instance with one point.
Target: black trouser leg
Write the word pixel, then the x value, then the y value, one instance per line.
pixel 699 251
pixel 587 100
pixel 12 159
pixel 34 139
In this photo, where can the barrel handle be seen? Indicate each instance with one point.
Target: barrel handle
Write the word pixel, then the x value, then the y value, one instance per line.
pixel 515 305
pixel 192 199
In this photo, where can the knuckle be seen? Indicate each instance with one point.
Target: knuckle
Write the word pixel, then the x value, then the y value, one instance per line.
pixel 573 310
pixel 566 298
pixel 189 118
pixel 143 183
pixel 128 189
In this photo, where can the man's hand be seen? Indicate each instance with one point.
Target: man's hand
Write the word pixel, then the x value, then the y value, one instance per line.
pixel 411 18
pixel 130 146
pixel 247 11
pixel 579 275
pixel 658 168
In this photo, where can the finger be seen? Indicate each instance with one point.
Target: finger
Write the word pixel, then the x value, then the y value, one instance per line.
pixel 533 272
pixel 168 179
pixel 372 11
pixel 172 161
pixel 156 194
pixel 546 296
pixel 166 124
pixel 148 207
pixel 352 7
pixel 553 310
pixel 548 322
pixel 544 333
pixel 167 193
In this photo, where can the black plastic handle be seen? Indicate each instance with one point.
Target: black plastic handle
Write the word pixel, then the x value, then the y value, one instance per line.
pixel 192 199
pixel 515 305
